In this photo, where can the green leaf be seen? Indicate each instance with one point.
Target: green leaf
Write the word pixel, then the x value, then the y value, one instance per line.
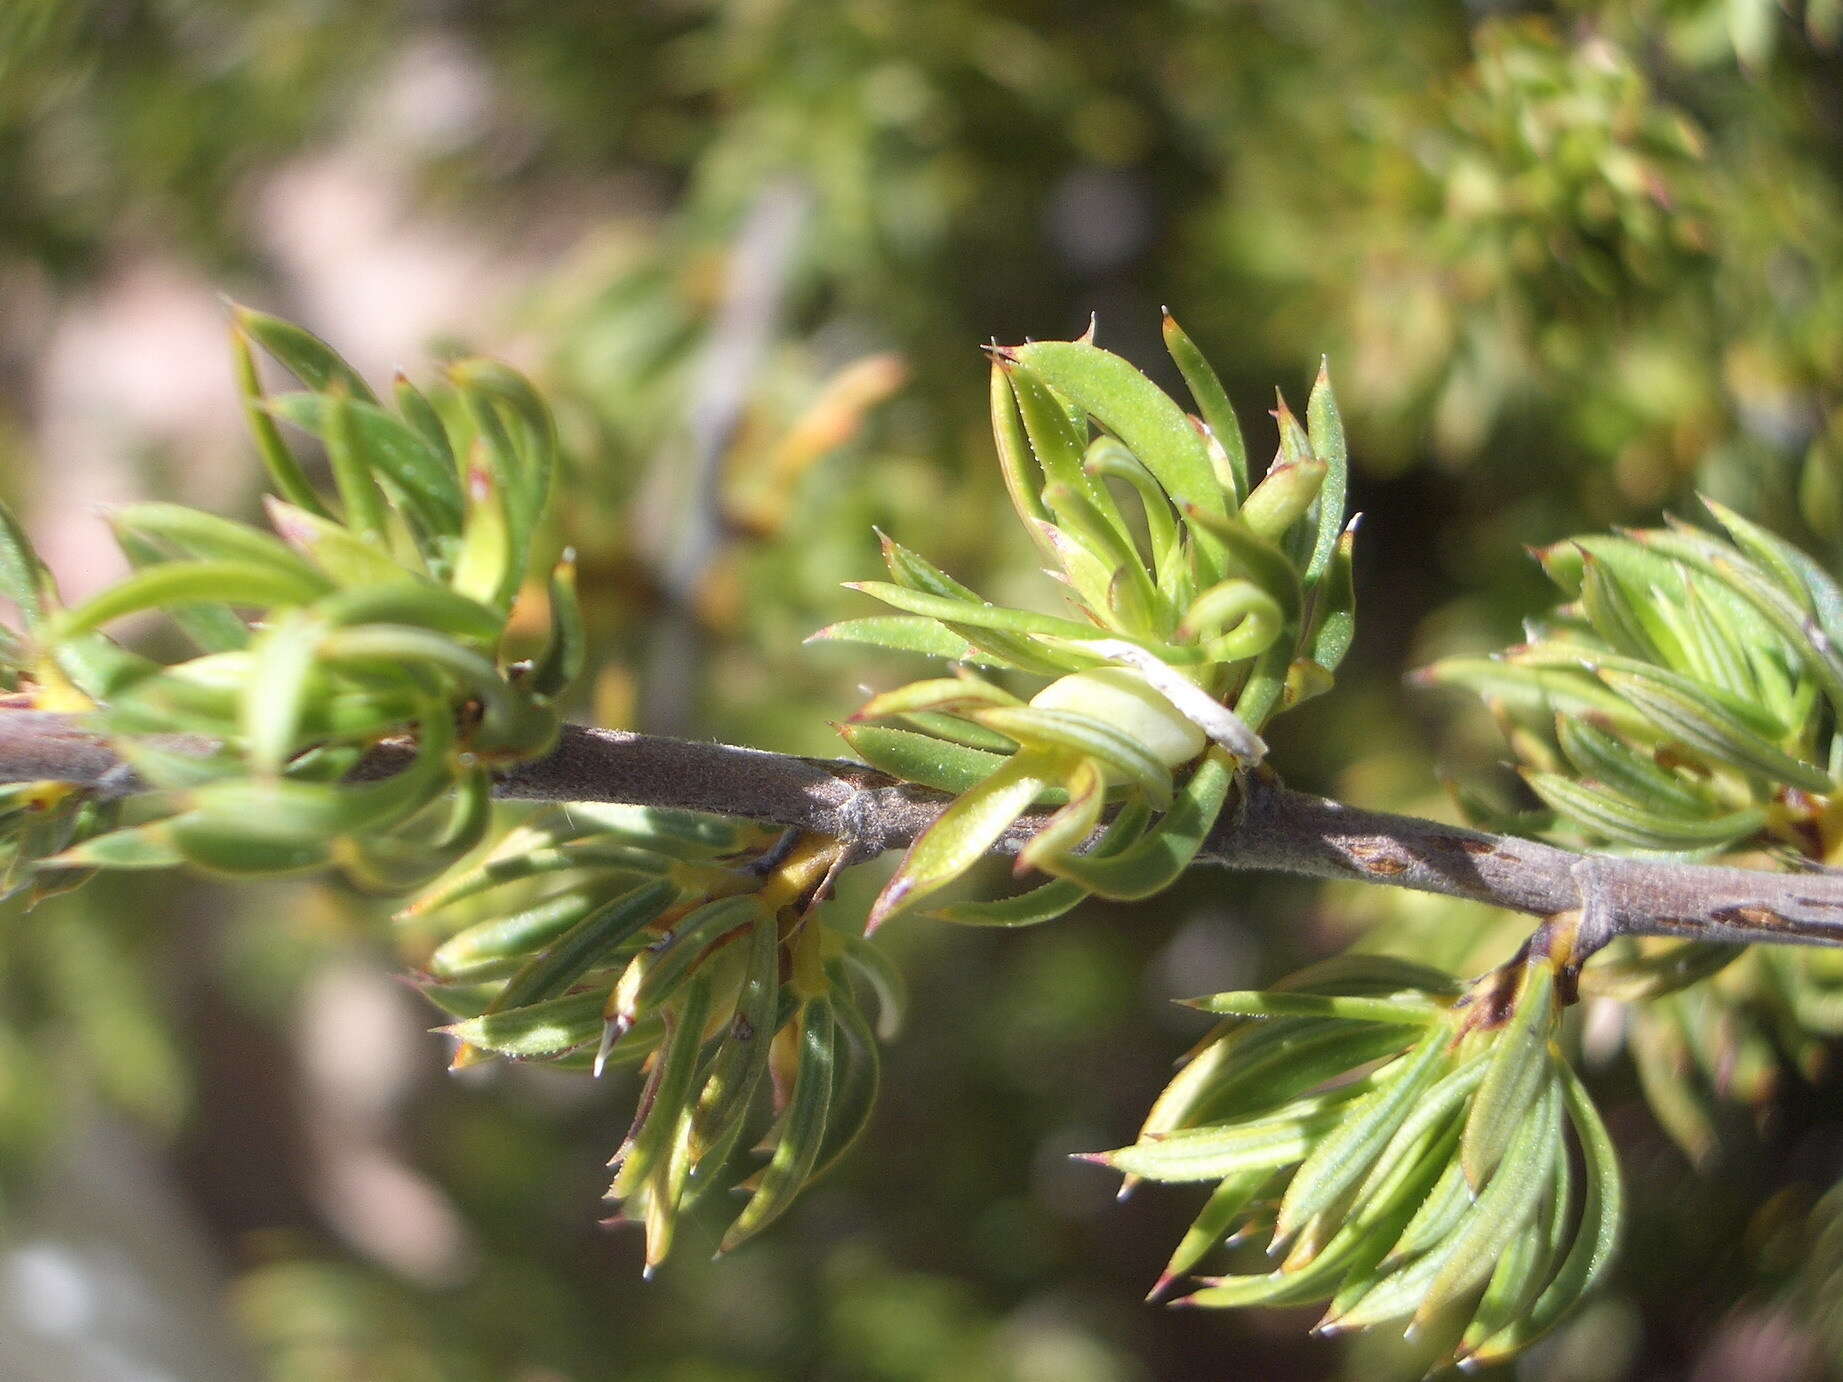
pixel 419 604
pixel 533 1029
pixel 1520 1064
pixel 306 356
pixel 1135 410
pixel 1616 818
pixel 589 942
pixel 420 414
pixel 487 567
pixel 915 573
pixel 521 416
pixel 669 1095
pixel 23 577
pixel 1059 441
pixel 502 944
pixel 1716 645
pixel 1015 461
pixel 1785 615
pixel 505 454
pixel 856 1077
pixel 1505 1207
pixel 192 582
pixel 737 1068
pixel 1596 1241
pixel 1263 1144
pixel 1343 1157
pixel 1102 582
pixel 957 731
pixel 206 536
pixel 566 652
pixel 1069 828
pixel 1408 1010
pixel 1154 862
pixel 1325 429
pixel 1068 732
pixel 1106 456
pixel 281 665
pixel 418 474
pixel 1616 617
pixel 1331 626
pixel 212 627
pixel 349 561
pixel 1594 753
pixel 938 693
pixel 1771 553
pixel 353 476
pixel 982 616
pixel 510 722
pixel 1224 1208
pixel 284 809
pixel 1051 900
pixel 802 1132
pixel 1283 497
pixel 654 975
pixel 1249 554
pixel 921 758
pixel 241 849
pixel 908 634
pixel 964 832
pixel 1358 1237
pixel 1693 714
pixel 1537 690
pixel 147 846
pixel 285 471
pixel 1257 1068
pixel 868 960
pixel 525 852
pixel 1525 1266
pixel 1466 1247
pixel 1234 620
pixel 1212 402
pixel 1792 567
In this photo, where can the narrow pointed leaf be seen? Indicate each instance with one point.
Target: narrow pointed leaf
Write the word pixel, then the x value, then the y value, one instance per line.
pixel 1136 411
pixel 1342 1159
pixel 1152 863
pixel 1519 1070
pixel 589 942
pixel 921 758
pixel 1212 402
pixel 189 582
pixel 964 832
pixel 1325 430
pixel 802 1132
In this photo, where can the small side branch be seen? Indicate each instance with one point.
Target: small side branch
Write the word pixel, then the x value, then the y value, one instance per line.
pixel 1274 829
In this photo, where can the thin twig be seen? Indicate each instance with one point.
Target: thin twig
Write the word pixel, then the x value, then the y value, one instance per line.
pixel 1272 829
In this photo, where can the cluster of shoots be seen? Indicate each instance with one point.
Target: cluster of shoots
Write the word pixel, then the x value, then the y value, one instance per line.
pixel 693 947
pixel 1686 702
pixel 1687 698
pixel 371 617
pixel 1402 1144
pixel 1198 606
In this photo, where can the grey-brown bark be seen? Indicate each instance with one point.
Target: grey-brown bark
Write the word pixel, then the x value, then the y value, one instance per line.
pixel 1271 828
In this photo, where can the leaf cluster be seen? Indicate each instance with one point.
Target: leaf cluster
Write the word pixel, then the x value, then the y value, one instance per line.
pixel 1199 606
pixel 1402 1142
pixel 372 617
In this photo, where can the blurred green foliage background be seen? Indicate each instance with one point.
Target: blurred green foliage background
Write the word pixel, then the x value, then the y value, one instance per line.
pixel 1571 263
